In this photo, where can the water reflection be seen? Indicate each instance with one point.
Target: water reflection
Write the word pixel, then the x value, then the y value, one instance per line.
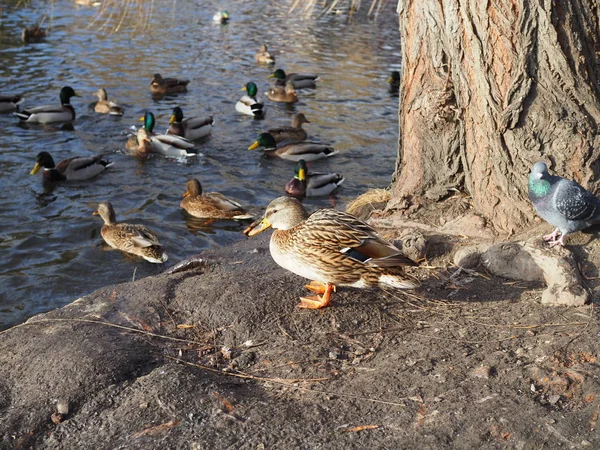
pixel 49 239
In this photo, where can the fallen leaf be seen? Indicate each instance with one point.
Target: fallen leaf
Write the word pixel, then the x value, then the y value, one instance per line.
pixel 185 326
pixel 157 428
pixel 226 403
pixel 361 428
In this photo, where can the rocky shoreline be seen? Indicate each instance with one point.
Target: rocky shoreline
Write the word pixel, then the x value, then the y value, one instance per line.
pixel 218 356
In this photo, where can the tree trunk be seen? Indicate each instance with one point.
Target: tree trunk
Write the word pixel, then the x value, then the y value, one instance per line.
pixel 490 88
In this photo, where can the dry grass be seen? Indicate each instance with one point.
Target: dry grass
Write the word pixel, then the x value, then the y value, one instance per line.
pixel 365 204
pixel 320 7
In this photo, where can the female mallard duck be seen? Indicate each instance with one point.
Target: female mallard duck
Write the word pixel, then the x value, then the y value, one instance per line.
pixel 314 184
pixel 48 114
pixel 10 103
pixel 331 248
pixel 191 128
pixel 285 94
pixel 130 238
pixel 73 169
pixel 104 106
pixel 221 17
pixel 295 133
pixel 394 81
pixel 210 205
pixel 263 56
pixel 162 86
pixel 298 80
pixel 33 34
pixel 164 144
pixel 308 151
pixel 248 104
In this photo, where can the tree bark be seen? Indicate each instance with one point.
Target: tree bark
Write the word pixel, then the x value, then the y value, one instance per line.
pixel 490 88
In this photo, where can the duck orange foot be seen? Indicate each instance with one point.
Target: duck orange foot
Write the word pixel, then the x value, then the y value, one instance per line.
pixel 316 301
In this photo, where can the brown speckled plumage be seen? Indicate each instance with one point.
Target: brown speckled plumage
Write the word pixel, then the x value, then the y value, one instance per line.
pixel 210 205
pixel 332 247
pixel 131 238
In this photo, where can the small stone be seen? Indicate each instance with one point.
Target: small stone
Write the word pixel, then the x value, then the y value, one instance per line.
pixel 62 407
pixel 484 372
pixel 553 399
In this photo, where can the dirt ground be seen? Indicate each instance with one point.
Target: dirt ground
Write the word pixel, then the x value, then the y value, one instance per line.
pixel 219 356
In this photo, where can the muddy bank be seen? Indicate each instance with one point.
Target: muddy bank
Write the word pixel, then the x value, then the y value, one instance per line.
pixel 219 356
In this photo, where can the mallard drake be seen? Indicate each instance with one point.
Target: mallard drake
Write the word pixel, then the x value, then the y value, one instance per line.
pixel 10 103
pixel 394 81
pixel 73 169
pixel 211 205
pixel 285 94
pixel 313 184
pixel 221 17
pixel 164 144
pixel 308 151
pixel 130 238
pixel 162 86
pixel 191 128
pixel 263 56
pixel 48 114
pixel 295 133
pixel 33 34
pixel 104 106
pixel 248 104
pixel 298 80
pixel 332 248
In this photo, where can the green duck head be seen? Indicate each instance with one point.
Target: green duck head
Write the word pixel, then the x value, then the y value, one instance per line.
pixel 177 115
pixel 43 159
pixel 251 89
pixel 65 95
pixel 279 74
pixel 149 121
pixel 265 140
pixel 300 170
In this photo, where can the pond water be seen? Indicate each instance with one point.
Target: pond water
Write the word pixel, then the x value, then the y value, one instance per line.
pixel 50 243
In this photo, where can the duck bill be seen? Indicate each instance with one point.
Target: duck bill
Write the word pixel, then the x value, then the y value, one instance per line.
pixel 254 146
pixel 255 229
pixel 272 75
pixel 390 79
pixel 172 119
pixel 95 213
pixel 302 174
pixel 186 193
pixel 35 169
pixel 244 88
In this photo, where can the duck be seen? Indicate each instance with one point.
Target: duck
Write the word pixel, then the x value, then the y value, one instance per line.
pixel 33 34
pixel 249 104
pixel 169 145
pixel 10 103
pixel 295 133
pixel 313 184
pixel 130 238
pixel 394 81
pixel 221 17
pixel 104 106
pixel 48 114
pixel 191 128
pixel 332 248
pixel 210 205
pixel 283 94
pixel 308 151
pixel 298 80
pixel 77 168
pixel 263 56
pixel 162 86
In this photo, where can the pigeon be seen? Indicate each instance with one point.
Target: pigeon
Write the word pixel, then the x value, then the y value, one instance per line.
pixel 562 203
